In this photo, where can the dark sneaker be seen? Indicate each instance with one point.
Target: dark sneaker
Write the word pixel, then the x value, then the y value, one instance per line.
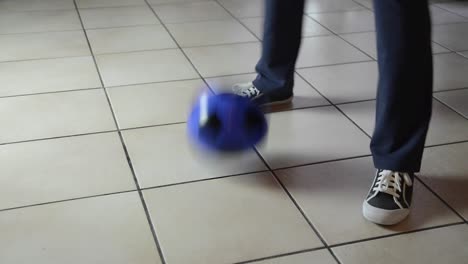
pixel 264 99
pixel 389 199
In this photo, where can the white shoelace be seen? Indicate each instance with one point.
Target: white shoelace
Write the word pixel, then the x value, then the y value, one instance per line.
pixel 246 90
pixel 390 182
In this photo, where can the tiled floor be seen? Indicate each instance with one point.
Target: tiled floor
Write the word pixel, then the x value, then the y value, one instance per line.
pixel 95 165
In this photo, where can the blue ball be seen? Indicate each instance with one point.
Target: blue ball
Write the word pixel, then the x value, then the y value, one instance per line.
pixel 226 122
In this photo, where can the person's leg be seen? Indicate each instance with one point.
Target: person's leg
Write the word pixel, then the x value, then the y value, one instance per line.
pixel 280 48
pixel 404 96
pixel 404 101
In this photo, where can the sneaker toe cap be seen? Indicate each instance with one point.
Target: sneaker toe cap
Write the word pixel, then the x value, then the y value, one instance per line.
pixel 382 216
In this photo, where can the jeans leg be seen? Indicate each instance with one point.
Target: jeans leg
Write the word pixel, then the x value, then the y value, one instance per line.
pixel 280 47
pixel 404 97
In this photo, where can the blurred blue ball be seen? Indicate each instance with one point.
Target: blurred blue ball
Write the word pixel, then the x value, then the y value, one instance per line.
pixel 226 122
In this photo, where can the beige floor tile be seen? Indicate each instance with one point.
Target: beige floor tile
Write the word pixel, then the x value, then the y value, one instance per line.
pixel 458 100
pixel 310 28
pixel 53 115
pixel 444 245
pixel 43 45
pixel 367 43
pixel 446 172
pixel 302 136
pixel 225 59
pixel 344 83
pixel 38 21
pixel 65 168
pixel 126 39
pixel 144 67
pixel 118 17
pixel 38 76
pixel 108 229
pixel 37 5
pixel 440 16
pixel 304 94
pixel 320 256
pixel 108 3
pixel 210 33
pixel 320 6
pixel 452 36
pixel 336 209
pixel 326 50
pixel 347 22
pixel 164 155
pixel 154 104
pixel 189 12
pixel 244 8
pixel 235 219
pixel 450 71
pixel 446 125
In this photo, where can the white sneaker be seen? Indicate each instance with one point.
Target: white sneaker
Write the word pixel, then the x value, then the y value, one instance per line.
pixel 389 199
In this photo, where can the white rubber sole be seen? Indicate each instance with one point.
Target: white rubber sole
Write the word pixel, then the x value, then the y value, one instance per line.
pixel 382 216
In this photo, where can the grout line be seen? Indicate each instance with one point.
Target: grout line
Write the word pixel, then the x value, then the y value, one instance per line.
pixel 296 204
pixel 281 255
pixel 349 43
pixel 396 234
pixel 51 92
pixel 151 126
pixel 364 6
pixel 132 169
pixel 449 107
pixel 57 137
pixel 449 90
pixel 202 180
pixel 116 6
pixel 322 162
pixel 336 64
pixel 238 20
pixel 39 32
pixel 336 107
pixel 441 7
pixel 65 200
pixel 439 197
